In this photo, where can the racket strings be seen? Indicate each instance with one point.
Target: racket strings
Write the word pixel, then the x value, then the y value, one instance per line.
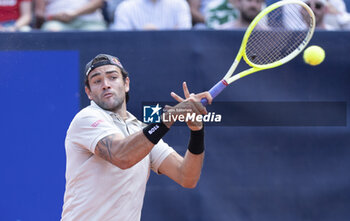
pixel 278 34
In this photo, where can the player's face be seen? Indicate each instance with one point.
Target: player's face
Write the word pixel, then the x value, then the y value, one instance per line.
pixel 250 8
pixel 319 10
pixel 107 87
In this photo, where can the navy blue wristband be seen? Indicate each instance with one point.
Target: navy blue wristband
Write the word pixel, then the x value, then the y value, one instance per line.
pixel 155 131
pixel 196 144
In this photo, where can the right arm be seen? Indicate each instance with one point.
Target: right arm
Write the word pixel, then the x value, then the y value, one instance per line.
pixel 24 18
pixel 25 14
pixel 88 8
pixel 124 152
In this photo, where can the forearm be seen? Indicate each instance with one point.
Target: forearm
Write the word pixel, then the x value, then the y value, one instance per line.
pixel 191 169
pixel 193 160
pixel 186 170
pixel 90 7
pixel 26 15
pixel 124 152
pixel 22 21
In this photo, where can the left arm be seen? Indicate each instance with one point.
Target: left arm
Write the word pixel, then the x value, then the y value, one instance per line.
pixel 186 170
pixel 183 170
pixel 90 7
pixel 25 15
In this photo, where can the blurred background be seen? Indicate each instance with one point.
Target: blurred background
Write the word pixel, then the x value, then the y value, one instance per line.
pixel 261 173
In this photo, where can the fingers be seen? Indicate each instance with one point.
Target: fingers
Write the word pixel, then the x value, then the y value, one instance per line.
pixel 176 97
pixel 185 89
pixel 195 97
pixel 206 95
pixel 199 96
pixel 198 108
pixel 186 93
pixel 191 104
pixel 167 108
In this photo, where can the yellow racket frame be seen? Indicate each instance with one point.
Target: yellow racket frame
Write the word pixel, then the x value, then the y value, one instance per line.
pixel 229 79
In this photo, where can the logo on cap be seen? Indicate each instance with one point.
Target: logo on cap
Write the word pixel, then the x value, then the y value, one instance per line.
pixel 116 61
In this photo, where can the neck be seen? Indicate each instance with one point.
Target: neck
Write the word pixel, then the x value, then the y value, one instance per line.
pixel 121 111
pixel 320 24
pixel 243 23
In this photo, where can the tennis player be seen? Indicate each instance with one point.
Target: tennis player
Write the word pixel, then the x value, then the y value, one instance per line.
pixel 110 153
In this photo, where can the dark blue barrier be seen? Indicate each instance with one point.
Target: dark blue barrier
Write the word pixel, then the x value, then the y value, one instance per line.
pixel 263 173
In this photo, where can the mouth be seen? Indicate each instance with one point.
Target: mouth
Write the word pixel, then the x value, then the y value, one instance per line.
pixel 107 95
pixel 253 11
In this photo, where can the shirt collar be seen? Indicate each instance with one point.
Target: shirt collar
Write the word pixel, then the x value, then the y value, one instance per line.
pixel 115 115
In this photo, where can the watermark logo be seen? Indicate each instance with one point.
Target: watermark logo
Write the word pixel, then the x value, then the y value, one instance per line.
pixel 188 115
pixel 253 113
pixel 154 114
pixel 151 113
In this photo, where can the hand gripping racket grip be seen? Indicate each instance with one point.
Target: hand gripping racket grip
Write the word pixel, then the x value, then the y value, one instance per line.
pixel 214 91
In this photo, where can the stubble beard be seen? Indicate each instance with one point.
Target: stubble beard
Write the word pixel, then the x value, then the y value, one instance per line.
pixel 114 105
pixel 247 17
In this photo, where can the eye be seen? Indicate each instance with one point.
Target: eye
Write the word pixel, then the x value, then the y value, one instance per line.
pixel 97 81
pixel 318 5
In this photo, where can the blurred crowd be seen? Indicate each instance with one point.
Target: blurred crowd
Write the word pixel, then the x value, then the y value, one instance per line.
pixel 99 15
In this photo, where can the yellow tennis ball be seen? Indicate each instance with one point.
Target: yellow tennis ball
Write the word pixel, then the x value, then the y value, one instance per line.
pixel 314 55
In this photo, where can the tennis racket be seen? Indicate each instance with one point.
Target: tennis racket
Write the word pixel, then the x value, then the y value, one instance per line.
pixel 275 36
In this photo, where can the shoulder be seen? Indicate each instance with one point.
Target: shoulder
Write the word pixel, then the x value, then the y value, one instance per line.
pixel 90 116
pixel 89 111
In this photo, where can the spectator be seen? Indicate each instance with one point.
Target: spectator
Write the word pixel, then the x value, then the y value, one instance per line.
pixel 110 7
pixel 152 15
pixel 198 8
pixel 337 16
pixel 220 12
pixel 15 15
pixel 65 15
pixel 320 8
pixel 248 9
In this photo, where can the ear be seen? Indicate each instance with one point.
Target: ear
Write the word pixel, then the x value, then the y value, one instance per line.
pixel 127 84
pixel 88 92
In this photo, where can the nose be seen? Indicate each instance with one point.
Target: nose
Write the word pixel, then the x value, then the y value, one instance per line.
pixel 255 4
pixel 106 84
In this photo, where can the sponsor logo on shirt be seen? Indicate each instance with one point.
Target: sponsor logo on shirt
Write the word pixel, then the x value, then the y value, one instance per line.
pixel 95 124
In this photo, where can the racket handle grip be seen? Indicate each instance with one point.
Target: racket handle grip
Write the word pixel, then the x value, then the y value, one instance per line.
pixel 214 91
